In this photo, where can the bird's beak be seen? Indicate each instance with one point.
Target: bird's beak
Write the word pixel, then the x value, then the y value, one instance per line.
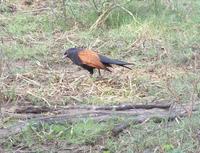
pixel 64 56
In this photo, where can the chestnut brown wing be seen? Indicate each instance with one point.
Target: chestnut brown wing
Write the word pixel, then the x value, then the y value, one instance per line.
pixel 90 58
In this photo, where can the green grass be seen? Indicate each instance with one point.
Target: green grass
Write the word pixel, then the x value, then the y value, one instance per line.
pixel 165 137
pixel 24 23
pixel 11 94
pixel 31 34
pixel 78 133
pixel 19 51
pixel 83 132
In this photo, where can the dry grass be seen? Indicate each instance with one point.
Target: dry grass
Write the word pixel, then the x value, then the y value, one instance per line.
pixel 56 84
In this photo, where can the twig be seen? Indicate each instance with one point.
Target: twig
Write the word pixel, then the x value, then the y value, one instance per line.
pixel 127 11
pixel 29 80
pixel 39 97
pixel 36 10
pixel 102 18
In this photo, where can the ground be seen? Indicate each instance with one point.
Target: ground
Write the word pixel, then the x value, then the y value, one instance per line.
pixel 160 37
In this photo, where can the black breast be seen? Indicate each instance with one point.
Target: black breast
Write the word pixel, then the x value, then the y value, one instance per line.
pixel 73 55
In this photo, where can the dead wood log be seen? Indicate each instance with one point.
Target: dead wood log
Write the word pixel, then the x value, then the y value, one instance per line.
pixel 137 114
pixel 33 109
pixel 139 106
pixel 159 104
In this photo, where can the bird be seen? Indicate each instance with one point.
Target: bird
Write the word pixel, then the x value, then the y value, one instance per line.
pixel 90 60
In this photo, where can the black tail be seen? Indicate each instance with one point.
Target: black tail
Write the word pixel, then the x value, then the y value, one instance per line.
pixel 108 61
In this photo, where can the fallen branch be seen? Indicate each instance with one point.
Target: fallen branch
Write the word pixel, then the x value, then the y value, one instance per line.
pixel 135 114
pixel 32 109
pixel 157 119
pixel 128 107
pixel 60 110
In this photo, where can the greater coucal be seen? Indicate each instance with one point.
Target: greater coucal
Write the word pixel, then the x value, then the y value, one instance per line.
pixel 90 60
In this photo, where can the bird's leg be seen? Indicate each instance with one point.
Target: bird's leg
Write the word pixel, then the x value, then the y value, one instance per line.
pixel 99 72
pixel 92 77
pixel 91 73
